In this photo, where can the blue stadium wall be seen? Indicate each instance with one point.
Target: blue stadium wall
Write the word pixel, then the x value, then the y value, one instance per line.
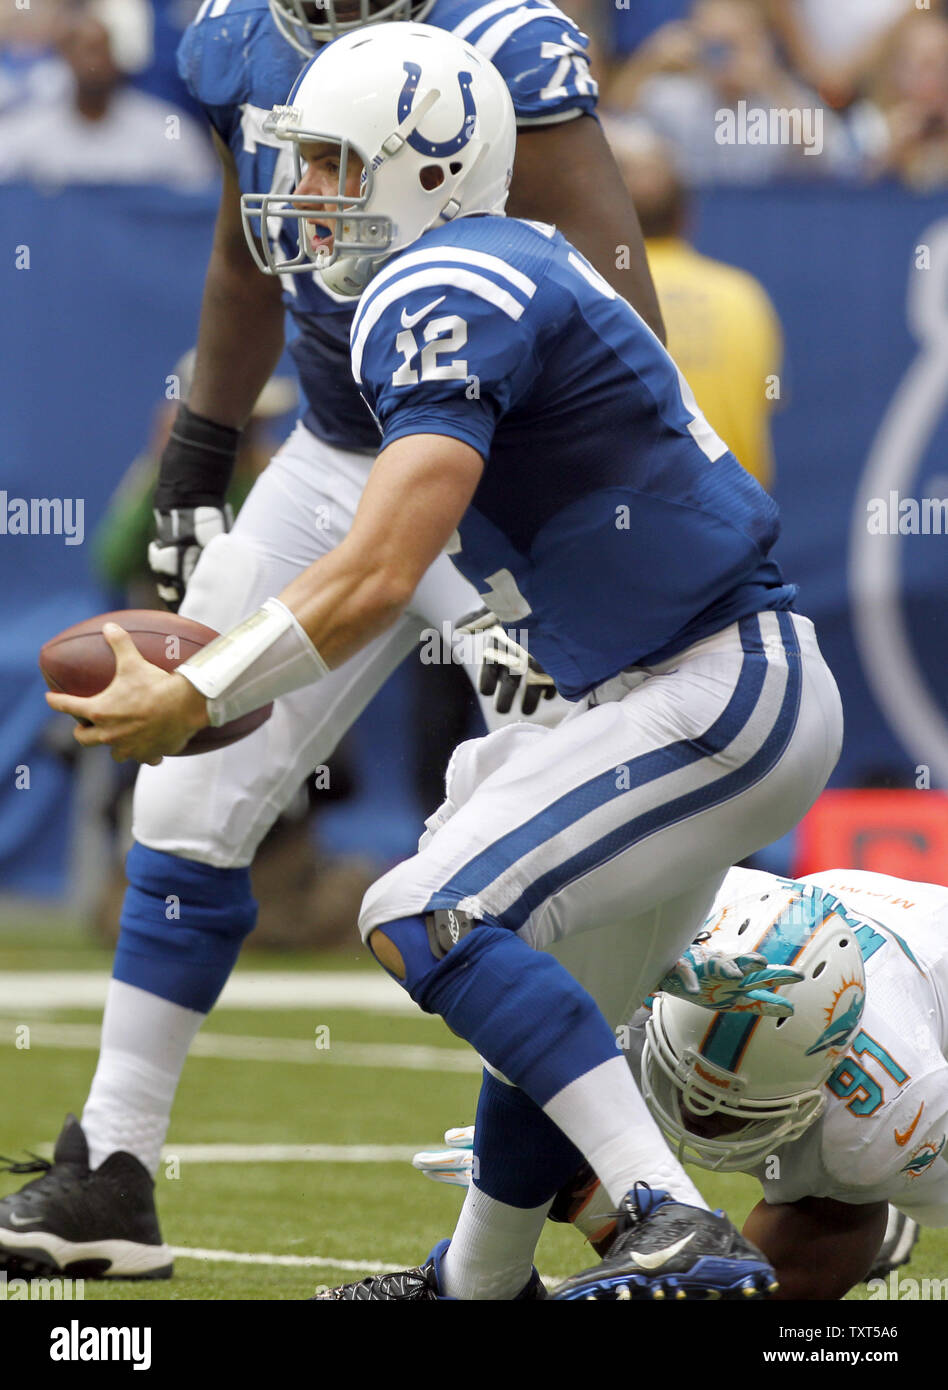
pixel 110 298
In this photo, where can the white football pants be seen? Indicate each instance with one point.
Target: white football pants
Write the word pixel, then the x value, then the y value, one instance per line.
pixel 216 808
pixel 605 839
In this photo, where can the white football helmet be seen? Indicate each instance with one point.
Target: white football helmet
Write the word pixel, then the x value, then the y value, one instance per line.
pixel 306 24
pixel 431 121
pixel 766 1072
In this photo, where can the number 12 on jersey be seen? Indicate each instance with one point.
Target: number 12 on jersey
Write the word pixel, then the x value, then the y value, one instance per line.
pixel 442 335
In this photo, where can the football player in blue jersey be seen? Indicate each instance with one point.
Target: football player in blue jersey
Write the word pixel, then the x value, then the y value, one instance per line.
pixel 197 827
pixel 535 428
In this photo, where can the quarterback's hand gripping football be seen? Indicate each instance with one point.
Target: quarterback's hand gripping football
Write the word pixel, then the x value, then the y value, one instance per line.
pixel 720 981
pixel 452 1165
pixel 145 713
pixel 181 535
pixel 506 667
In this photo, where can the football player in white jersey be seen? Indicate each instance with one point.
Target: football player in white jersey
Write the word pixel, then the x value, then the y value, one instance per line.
pixel 840 1112
pixel 879 1132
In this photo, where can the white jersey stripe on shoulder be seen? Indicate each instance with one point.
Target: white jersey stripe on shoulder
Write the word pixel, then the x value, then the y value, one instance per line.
pixel 437 255
pixel 431 276
pixel 205 6
pixel 554 118
pixel 497 35
pixel 544 228
pixel 482 14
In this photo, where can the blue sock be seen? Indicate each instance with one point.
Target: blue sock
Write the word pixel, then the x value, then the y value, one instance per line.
pixel 520 1156
pixel 521 1009
pixel 182 927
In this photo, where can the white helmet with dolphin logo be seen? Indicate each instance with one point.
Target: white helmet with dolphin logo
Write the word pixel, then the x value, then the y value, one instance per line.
pixel 764 1075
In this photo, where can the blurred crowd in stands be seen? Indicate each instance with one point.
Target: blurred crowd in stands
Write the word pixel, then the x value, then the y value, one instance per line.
pixel 869 79
pixel 89 94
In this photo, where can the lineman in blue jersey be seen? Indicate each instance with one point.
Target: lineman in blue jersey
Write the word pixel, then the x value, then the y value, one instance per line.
pixel 238 66
pixel 534 427
pixel 197 824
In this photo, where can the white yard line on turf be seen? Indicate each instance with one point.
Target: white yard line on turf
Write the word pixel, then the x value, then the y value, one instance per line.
pixel 237 1257
pixel 184 1252
pixel 248 989
pixel 280 1153
pixel 228 1048
pixel 289 1153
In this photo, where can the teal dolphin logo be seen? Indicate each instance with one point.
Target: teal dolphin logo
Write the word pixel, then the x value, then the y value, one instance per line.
pixel 924 1157
pixel 837 1032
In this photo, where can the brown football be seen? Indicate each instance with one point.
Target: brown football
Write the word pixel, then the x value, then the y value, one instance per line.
pixel 80 662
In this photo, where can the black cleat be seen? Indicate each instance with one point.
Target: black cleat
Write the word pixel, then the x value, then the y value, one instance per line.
pixel 406 1286
pixel 666 1250
pixel 419 1285
pixel 99 1224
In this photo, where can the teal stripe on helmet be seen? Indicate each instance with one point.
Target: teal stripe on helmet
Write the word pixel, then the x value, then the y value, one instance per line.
pixel 729 1034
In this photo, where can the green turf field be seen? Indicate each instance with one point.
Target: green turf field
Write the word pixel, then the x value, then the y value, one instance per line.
pixel 252 1229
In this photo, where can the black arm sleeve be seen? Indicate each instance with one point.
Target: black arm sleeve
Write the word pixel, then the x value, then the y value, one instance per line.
pixel 197 462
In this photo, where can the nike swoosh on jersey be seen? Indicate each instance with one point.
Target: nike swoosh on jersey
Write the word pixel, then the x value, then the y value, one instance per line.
pixel 661 1257
pixel 903 1138
pixel 409 320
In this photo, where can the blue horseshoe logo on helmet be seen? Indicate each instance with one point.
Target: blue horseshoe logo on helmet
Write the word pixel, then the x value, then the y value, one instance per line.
pixel 437 149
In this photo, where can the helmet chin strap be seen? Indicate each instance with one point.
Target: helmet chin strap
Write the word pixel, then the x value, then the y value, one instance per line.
pixel 394 142
pixel 350 274
pixel 452 207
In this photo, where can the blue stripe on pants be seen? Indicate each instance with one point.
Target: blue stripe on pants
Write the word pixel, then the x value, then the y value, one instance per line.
pixel 671 812
pixel 492 862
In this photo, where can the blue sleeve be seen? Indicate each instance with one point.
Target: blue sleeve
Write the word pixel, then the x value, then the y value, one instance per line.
pixel 542 56
pixel 190 53
pixel 441 360
pixel 191 70
pixel 216 62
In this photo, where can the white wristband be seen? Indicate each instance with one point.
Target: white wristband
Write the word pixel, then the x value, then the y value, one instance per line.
pixel 267 655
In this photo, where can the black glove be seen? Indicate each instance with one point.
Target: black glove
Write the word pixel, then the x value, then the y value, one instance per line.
pixel 190 510
pixel 506 666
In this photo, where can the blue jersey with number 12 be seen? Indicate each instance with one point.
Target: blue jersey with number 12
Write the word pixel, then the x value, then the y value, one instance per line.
pixel 236 64
pixel 611 522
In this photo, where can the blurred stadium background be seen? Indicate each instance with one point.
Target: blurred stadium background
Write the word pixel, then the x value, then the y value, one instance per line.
pixel 806 295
